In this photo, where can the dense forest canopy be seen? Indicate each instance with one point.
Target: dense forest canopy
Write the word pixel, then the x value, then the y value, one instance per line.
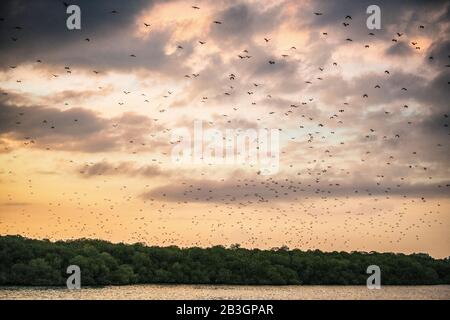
pixel 41 262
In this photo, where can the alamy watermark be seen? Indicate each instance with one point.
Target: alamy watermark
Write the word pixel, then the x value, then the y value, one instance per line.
pixel 74 280
pixel 255 147
pixel 374 280
pixel 374 20
pixel 73 22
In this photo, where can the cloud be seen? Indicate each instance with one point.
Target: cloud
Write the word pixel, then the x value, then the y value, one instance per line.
pixel 75 96
pixel 69 48
pixel 38 33
pixel 41 122
pixel 14 204
pixel 241 22
pixel 399 49
pixel 335 12
pixel 440 51
pixel 75 129
pixel 251 191
pixel 105 168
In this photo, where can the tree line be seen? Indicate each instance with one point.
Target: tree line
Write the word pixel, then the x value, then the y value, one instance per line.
pixel 43 263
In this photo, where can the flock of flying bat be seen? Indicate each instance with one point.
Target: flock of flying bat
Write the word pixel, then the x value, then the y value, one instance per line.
pixel 262 209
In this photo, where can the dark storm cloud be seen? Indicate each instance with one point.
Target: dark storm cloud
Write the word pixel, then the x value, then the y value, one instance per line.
pixel 13 204
pixel 44 36
pixel 105 168
pixel 399 49
pixel 438 93
pixel 46 15
pixel 440 52
pixel 29 121
pixel 421 142
pixel 242 191
pixel 44 22
pixel 396 16
pixel 335 12
pixel 436 126
pixel 240 22
pixel 74 129
pixel 115 53
pixel 432 94
pixel 75 95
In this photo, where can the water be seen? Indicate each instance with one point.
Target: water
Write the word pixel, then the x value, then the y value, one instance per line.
pixel 177 292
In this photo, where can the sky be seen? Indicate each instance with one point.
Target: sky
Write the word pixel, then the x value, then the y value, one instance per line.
pixel 90 119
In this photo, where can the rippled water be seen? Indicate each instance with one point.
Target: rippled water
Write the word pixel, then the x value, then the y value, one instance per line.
pixel 177 292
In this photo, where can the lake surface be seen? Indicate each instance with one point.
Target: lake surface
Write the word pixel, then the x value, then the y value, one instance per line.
pixel 178 292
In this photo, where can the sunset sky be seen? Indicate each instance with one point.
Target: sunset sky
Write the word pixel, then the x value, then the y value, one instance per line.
pixel 87 116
